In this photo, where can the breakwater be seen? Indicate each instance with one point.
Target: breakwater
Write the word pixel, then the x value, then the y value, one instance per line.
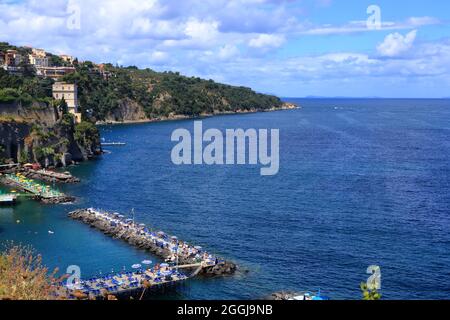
pixel 158 243
pixel 50 176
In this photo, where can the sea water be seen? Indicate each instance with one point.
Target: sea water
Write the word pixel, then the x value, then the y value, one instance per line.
pixel 360 183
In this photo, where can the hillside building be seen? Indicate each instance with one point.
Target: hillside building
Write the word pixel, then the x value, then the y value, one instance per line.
pixel 69 92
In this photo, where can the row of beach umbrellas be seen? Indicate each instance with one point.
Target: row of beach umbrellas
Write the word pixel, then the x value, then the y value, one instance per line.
pixel 139 265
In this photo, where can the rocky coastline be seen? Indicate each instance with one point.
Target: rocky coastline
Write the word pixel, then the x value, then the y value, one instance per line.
pixel 282 296
pixel 138 118
pixel 50 177
pixel 44 136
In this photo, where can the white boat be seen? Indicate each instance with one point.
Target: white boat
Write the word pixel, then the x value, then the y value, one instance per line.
pixel 308 296
pixel 8 199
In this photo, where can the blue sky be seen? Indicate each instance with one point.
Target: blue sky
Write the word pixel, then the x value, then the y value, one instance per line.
pixel 286 47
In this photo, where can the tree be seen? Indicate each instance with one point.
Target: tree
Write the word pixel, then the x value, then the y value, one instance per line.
pixel 47 152
pixel 28 71
pixel 63 107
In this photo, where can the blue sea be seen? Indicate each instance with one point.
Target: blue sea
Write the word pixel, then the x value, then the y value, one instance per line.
pixel 361 182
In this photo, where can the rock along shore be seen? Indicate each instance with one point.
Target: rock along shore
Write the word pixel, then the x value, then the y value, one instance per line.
pixel 50 176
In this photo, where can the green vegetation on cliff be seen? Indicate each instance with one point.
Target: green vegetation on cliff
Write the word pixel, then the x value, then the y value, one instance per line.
pixel 102 90
pixel 56 143
pixel 105 92
pixel 161 94
pixel 24 89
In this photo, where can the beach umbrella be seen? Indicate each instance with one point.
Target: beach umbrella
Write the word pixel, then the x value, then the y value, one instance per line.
pixel 164 265
pixel 147 262
pixel 136 266
pixel 166 273
pixel 198 247
pixel 174 238
pixel 142 225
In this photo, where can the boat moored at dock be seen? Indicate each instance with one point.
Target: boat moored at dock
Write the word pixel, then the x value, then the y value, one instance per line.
pixel 7 199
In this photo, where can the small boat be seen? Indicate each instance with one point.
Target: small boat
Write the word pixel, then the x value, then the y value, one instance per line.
pixel 309 296
pixel 8 199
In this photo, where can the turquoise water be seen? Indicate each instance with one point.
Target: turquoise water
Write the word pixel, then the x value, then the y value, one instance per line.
pixel 361 182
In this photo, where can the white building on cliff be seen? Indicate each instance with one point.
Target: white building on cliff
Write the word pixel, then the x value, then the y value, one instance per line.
pixel 69 92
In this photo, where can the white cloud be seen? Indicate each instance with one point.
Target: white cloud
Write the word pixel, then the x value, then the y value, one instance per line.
pixel 422 21
pixel 396 44
pixel 202 31
pixel 228 51
pixel 229 41
pixel 361 26
pixel 159 57
pixel 267 41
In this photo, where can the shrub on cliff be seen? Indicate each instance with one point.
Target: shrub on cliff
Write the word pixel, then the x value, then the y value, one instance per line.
pixel 86 134
pixel 23 277
pixel 11 95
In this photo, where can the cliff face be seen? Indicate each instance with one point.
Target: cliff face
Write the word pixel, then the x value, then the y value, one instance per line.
pixel 37 112
pixel 127 110
pixel 39 134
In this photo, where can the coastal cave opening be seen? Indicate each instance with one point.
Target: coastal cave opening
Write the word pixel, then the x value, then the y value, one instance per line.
pixel 2 150
pixel 14 149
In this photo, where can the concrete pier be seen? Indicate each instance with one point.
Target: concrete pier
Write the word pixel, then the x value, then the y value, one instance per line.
pixel 159 243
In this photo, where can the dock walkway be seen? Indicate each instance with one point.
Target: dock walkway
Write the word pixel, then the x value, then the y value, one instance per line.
pixel 113 144
pixel 122 284
pixel 40 192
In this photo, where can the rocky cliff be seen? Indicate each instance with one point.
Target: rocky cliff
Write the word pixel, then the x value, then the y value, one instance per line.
pixel 127 111
pixel 38 133
pixel 37 112
pixel 131 111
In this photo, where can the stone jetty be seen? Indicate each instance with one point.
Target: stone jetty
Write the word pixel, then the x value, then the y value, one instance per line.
pixel 50 176
pixel 158 243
